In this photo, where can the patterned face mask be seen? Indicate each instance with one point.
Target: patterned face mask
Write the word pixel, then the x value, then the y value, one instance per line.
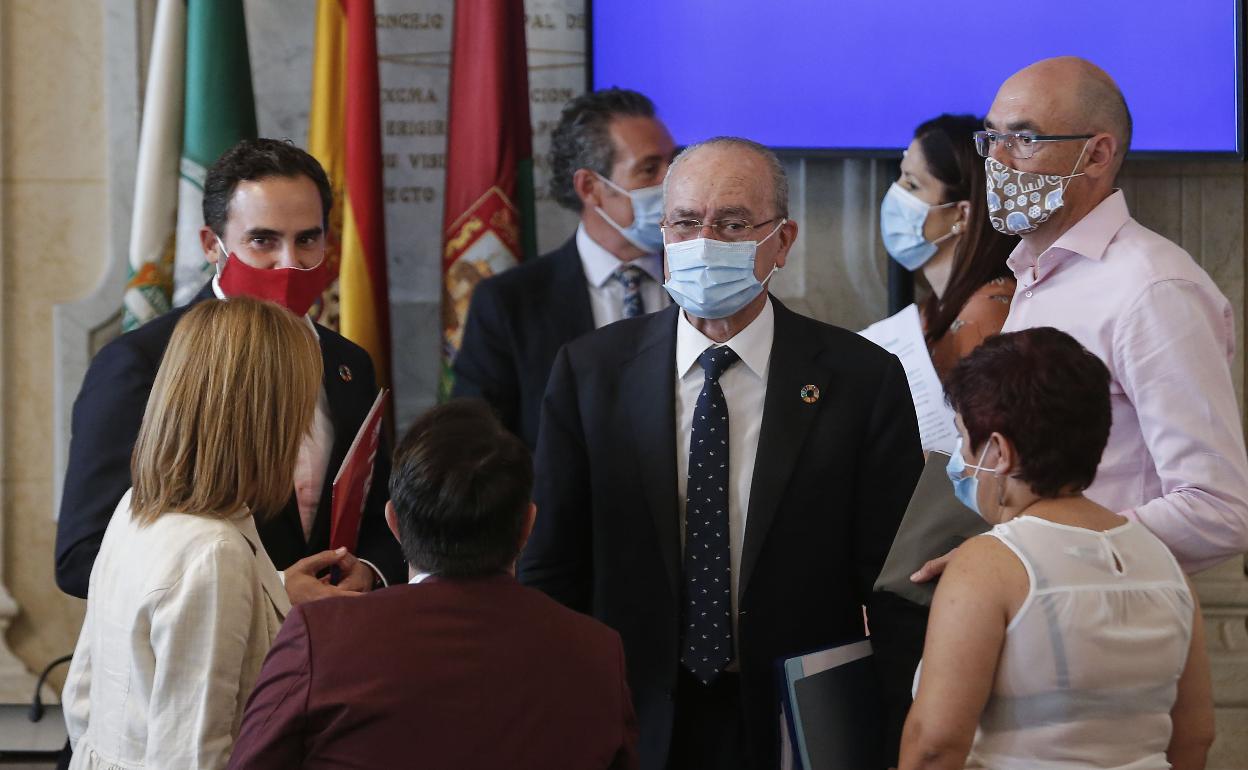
pixel 1020 201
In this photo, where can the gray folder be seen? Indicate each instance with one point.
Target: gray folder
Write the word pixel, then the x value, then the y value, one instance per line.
pixel 935 523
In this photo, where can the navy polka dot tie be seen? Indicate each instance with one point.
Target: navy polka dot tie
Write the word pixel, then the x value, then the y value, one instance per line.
pixel 630 278
pixel 708 576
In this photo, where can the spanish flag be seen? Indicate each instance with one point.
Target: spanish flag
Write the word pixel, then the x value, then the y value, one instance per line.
pixel 488 224
pixel 344 134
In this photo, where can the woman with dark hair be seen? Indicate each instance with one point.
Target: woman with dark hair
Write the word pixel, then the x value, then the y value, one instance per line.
pixel 1067 636
pixel 934 221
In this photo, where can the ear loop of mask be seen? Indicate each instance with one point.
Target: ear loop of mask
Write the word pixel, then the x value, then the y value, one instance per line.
pixel 774 268
pixel 225 255
pixel 996 474
pixel 979 466
pixel 954 230
pixel 1066 179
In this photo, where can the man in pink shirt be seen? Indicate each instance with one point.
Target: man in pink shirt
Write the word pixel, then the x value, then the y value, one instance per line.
pixel 1056 137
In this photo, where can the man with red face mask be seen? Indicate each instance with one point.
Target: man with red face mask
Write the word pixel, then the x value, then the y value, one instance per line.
pixel 266 212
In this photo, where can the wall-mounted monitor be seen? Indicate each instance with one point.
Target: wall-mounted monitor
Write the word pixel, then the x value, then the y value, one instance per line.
pixel 856 76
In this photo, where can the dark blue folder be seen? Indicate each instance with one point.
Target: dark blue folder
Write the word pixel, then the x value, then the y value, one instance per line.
pixel 831 709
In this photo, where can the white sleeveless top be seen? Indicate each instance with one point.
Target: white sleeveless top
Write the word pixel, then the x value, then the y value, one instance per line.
pixel 1091 662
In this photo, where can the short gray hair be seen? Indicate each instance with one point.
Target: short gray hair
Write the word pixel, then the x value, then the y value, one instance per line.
pixel 582 138
pixel 779 179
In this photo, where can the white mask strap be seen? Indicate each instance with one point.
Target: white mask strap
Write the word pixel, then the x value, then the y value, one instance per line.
pixel 774 230
pixel 979 466
pixel 225 254
pixel 611 184
pixel 1066 179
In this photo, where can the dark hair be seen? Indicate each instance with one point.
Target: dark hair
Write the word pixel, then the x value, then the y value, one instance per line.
pixel 980 254
pixel 1044 392
pixel 460 486
pixel 253 159
pixel 582 139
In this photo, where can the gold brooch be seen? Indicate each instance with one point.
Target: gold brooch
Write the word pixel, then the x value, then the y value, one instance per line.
pixel 344 372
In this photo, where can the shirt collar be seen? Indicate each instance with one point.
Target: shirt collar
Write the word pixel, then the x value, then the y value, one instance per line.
pixel 600 264
pixel 246 524
pixel 216 289
pixel 752 344
pixel 1089 237
pixel 419 577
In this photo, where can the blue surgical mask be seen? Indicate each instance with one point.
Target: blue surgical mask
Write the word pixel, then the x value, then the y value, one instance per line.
pixel 714 279
pixel 966 488
pixel 902 216
pixel 644 232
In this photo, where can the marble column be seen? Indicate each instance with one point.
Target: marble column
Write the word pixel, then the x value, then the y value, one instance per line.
pixel 16 683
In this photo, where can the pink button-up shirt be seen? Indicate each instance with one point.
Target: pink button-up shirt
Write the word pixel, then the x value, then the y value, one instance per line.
pixel 1175 459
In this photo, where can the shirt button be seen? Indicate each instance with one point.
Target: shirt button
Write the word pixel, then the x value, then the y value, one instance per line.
pixel 1027 294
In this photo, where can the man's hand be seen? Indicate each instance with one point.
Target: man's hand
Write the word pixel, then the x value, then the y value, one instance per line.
pixel 303 585
pixel 932 569
pixel 355 575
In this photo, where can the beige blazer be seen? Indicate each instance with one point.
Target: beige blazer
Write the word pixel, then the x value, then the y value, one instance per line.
pixel 180 615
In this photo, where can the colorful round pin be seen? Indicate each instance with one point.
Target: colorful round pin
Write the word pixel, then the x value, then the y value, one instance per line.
pixel 344 372
pixel 810 394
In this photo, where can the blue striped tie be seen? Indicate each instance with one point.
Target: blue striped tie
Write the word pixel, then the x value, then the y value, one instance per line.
pixel 630 278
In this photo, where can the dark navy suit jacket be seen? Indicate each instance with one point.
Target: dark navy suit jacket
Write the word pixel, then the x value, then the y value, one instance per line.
pixel 830 484
pixel 516 324
pixel 109 411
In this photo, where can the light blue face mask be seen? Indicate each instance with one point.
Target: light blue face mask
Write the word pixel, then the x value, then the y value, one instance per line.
pixel 714 279
pixel 902 216
pixel 966 488
pixel 644 232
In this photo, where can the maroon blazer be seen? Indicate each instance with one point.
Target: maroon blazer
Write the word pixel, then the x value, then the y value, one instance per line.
pixel 480 673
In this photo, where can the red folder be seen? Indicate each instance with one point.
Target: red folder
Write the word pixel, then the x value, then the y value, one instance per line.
pixel 354 478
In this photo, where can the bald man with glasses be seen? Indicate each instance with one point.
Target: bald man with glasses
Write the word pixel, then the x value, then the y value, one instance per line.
pixel 1054 142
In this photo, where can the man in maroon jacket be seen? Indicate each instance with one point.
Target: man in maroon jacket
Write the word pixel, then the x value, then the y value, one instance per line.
pixel 463 667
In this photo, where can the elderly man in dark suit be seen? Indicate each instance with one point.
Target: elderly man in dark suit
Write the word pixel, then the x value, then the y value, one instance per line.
pixel 464 667
pixel 609 154
pixel 721 481
pixel 266 206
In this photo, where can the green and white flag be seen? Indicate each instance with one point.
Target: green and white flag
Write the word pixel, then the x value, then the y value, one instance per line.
pixel 220 110
pixel 197 103
pixel 150 285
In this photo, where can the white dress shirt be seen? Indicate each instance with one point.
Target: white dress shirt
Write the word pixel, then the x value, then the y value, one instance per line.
pixel 313 461
pixel 606 295
pixel 745 388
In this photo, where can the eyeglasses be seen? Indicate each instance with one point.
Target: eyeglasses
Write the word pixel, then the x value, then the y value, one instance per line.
pixel 1019 144
pixel 724 229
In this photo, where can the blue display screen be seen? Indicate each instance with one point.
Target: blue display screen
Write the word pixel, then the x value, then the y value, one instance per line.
pixel 861 74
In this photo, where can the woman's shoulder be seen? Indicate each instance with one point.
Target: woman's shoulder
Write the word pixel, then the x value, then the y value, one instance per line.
pixel 142 558
pixel 982 560
pixel 986 309
pixel 997 293
pixel 182 537
pixel 984 551
pixel 984 569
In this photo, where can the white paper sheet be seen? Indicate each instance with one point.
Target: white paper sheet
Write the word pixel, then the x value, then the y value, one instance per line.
pixel 902 335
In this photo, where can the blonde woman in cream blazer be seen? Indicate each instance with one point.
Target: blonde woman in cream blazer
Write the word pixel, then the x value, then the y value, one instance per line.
pixel 183 602
pixel 167 689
